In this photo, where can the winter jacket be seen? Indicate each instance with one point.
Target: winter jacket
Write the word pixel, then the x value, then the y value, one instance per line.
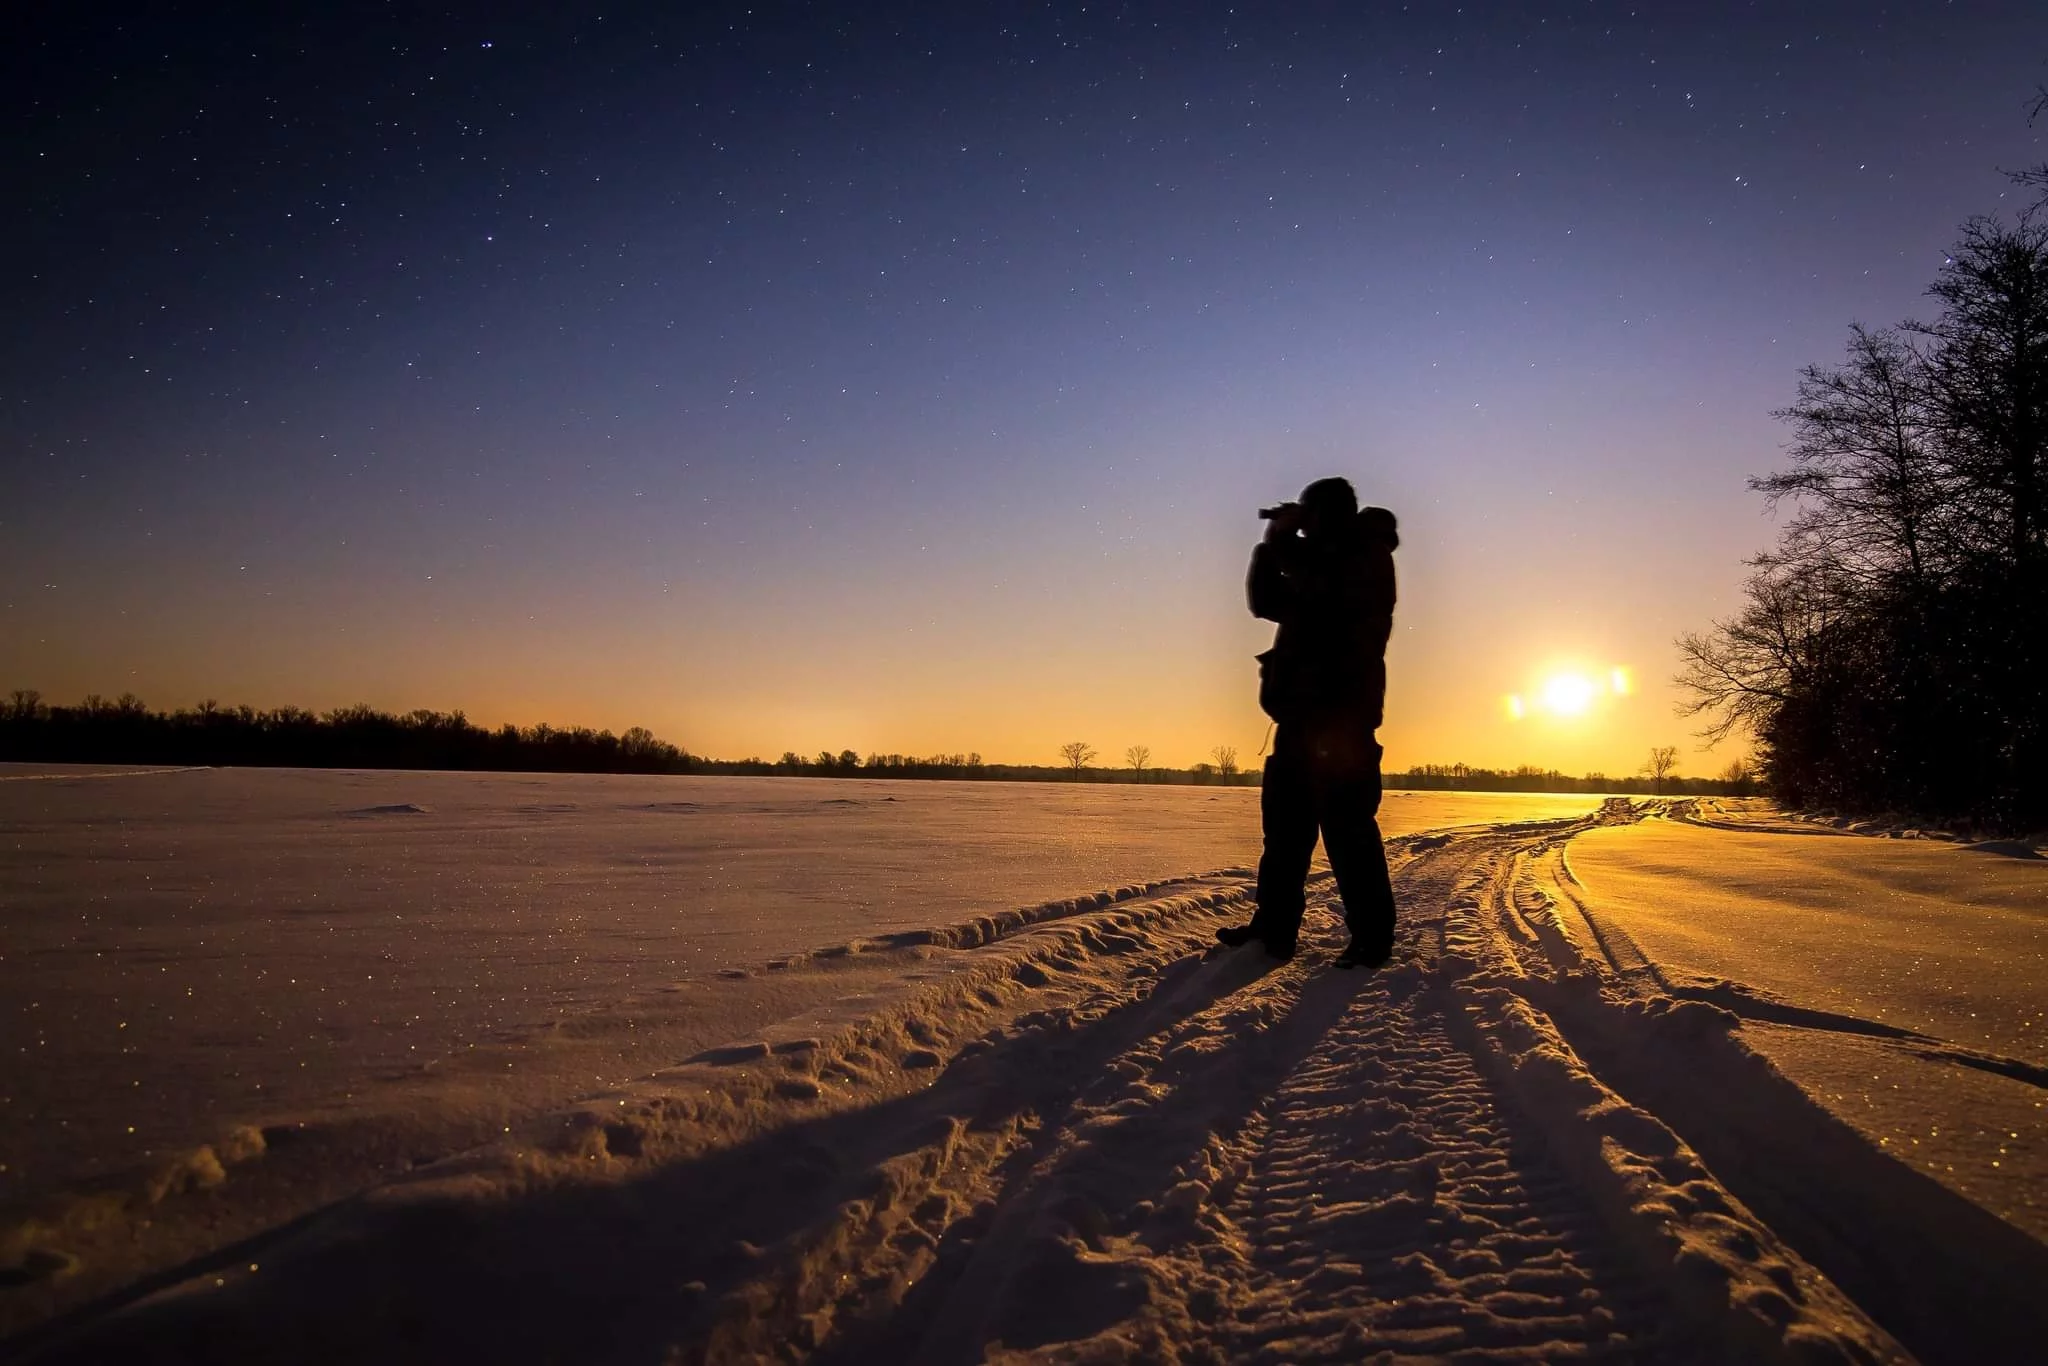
pixel 1333 597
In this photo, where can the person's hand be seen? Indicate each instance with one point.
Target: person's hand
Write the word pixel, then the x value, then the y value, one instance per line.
pixel 1284 523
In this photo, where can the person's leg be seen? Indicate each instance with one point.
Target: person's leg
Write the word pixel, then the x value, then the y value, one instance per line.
pixel 1288 815
pixel 1350 801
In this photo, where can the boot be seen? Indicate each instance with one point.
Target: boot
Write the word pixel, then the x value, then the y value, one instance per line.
pixel 1359 955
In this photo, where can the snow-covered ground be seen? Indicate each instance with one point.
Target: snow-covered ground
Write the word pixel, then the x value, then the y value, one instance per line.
pixel 407 963
pixel 1905 982
pixel 981 1119
pixel 187 950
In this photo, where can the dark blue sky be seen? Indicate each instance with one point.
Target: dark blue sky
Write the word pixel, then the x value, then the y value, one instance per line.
pixel 790 377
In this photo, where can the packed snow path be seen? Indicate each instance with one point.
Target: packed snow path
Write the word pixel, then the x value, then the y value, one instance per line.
pixel 1387 1206
pixel 1088 1135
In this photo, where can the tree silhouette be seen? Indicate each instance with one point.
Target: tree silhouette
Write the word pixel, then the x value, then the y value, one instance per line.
pixel 1138 757
pixel 1989 376
pixel 1743 671
pixel 1892 651
pixel 125 731
pixel 1226 760
pixel 1076 754
pixel 1662 763
pixel 1869 488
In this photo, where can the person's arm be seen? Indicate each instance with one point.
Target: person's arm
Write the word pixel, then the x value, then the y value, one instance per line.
pixel 1266 586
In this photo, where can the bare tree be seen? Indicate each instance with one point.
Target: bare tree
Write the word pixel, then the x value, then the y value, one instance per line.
pixel 1076 754
pixel 2035 177
pixel 1866 473
pixel 1740 775
pixel 1989 377
pixel 1226 760
pixel 1663 762
pixel 1889 652
pixel 1743 670
pixel 1138 757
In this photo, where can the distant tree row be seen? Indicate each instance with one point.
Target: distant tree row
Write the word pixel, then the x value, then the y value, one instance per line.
pixel 124 731
pixel 1659 775
pixel 1076 765
pixel 1891 653
pixel 1075 756
pixel 847 763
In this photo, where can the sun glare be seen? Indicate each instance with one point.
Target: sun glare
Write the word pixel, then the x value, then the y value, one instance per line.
pixel 1568 694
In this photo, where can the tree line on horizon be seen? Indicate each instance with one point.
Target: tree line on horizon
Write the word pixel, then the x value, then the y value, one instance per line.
pixel 1890 653
pixel 1658 777
pixel 125 731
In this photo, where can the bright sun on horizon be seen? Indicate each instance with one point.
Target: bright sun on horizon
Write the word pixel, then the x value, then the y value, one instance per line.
pixel 1570 693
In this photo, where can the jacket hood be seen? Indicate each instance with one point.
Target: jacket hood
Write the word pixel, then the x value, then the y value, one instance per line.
pixel 1377 524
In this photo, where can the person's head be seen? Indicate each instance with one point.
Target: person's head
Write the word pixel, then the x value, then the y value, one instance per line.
pixel 1328 505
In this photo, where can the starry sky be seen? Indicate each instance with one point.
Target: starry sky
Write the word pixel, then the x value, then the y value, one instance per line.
pixel 907 378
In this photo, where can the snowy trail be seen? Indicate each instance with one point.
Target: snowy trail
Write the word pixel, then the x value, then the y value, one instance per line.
pixel 1093 1137
pixel 1432 1228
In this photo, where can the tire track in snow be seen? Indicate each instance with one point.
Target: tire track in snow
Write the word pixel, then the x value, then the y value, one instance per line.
pixel 1396 1208
pixel 1308 1167
pixel 1359 1188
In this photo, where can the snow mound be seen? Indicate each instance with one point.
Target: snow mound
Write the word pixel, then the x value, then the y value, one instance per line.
pixel 2008 848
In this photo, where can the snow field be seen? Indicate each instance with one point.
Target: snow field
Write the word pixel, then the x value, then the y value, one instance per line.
pixel 1090 1137
pixel 1897 981
pixel 186 952
pixel 350 975
pixel 1933 1264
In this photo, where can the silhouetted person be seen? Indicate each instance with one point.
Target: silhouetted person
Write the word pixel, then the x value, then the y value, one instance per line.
pixel 1325 573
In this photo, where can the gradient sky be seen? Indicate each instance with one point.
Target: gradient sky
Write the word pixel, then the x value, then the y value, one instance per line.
pixel 791 377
